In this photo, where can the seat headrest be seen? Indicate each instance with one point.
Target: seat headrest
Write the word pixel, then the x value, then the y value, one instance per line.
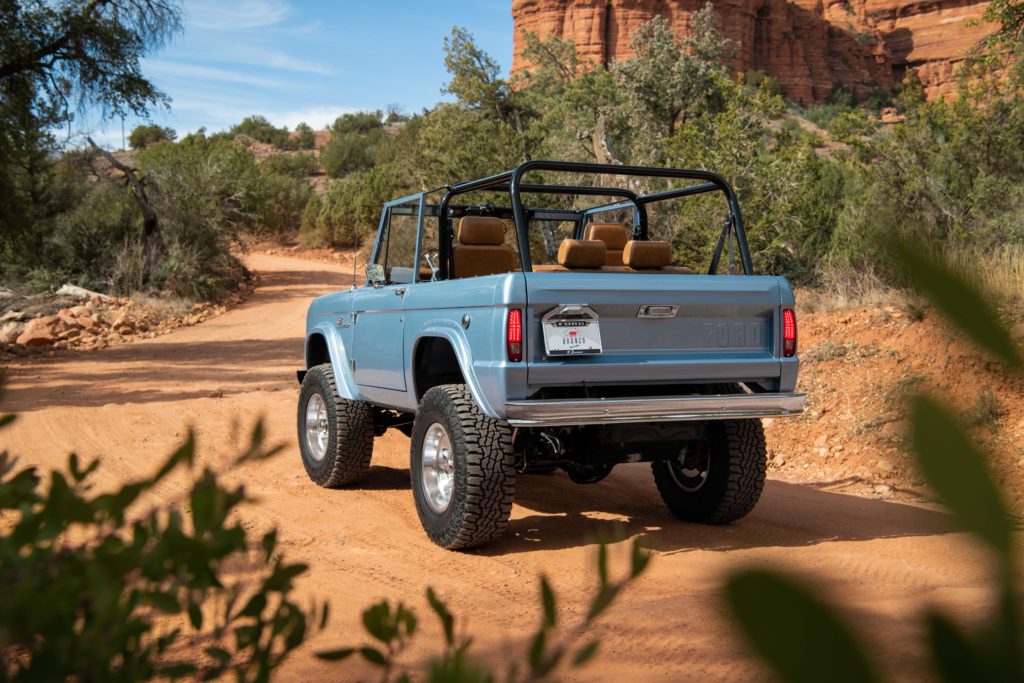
pixel 481 230
pixel 582 253
pixel 650 254
pixel 614 235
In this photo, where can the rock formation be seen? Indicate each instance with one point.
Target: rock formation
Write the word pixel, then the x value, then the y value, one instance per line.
pixel 810 46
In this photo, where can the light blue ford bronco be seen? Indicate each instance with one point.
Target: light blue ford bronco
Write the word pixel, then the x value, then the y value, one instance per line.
pixel 532 320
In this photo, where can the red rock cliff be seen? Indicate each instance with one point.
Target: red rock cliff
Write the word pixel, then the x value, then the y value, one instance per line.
pixel 811 46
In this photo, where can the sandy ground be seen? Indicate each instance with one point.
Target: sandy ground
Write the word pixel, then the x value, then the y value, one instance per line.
pixel 883 561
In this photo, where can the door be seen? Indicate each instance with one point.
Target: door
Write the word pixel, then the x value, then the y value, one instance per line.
pixel 379 338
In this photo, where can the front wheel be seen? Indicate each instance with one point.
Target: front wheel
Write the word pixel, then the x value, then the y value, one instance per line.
pixel 721 480
pixel 335 434
pixel 463 469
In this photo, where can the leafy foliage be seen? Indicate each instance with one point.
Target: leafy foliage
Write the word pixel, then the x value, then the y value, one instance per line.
pixel 94 583
pixel 550 651
pixel 145 135
pixel 803 639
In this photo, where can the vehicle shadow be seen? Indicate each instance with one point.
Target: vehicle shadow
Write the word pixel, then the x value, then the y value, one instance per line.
pixel 156 371
pixel 627 505
pixel 383 478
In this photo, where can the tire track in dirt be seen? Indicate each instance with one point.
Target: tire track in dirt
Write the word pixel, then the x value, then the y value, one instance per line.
pixel 133 403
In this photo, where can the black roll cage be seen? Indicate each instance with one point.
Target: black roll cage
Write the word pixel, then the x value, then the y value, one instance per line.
pixel 513 183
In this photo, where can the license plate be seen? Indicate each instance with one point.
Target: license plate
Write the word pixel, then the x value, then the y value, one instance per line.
pixel 571 331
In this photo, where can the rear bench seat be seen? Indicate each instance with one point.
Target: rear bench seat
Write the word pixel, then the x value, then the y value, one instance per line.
pixel 614 236
pixel 651 257
pixel 587 256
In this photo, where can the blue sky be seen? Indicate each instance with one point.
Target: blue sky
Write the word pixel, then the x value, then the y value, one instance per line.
pixel 308 60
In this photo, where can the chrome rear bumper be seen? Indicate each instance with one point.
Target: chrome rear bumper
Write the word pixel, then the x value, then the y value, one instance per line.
pixel 558 413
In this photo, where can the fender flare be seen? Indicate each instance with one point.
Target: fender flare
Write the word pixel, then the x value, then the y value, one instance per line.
pixel 452 332
pixel 346 384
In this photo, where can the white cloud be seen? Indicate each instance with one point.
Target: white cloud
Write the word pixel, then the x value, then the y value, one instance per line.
pixel 159 67
pixel 314 116
pixel 239 15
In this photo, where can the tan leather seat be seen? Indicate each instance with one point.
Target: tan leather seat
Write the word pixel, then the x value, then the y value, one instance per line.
pixel 587 256
pixel 651 257
pixel 614 236
pixel 481 248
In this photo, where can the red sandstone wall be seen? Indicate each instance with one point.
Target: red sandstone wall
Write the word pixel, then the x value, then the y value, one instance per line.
pixel 811 46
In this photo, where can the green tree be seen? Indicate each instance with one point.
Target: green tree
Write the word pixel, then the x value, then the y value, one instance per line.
pixel 50 52
pixel 355 139
pixel 144 135
pixel 476 84
pixel 672 80
pixel 304 137
pixel 258 128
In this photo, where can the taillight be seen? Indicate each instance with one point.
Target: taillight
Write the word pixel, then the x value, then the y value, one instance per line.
pixel 788 332
pixel 514 335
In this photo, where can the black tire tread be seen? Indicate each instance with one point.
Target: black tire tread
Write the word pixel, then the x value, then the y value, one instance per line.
pixel 351 448
pixel 482 515
pixel 746 470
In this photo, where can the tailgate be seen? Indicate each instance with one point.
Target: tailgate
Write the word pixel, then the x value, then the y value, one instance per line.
pixel 658 328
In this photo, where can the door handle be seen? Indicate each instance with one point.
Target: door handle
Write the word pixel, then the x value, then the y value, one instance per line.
pixel 399 291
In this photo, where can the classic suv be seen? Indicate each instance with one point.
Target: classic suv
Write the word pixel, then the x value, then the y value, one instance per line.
pixel 505 336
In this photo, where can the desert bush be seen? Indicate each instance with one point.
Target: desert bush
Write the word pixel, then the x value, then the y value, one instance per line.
pixel 291 165
pixel 304 138
pixel 258 128
pixel 208 193
pixel 149 134
pixel 106 587
pixel 347 214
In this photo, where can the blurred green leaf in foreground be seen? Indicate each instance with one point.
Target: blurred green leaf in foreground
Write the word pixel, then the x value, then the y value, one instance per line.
pixel 803 639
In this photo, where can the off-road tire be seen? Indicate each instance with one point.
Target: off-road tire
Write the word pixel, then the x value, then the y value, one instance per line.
pixel 350 429
pixel 735 479
pixel 484 470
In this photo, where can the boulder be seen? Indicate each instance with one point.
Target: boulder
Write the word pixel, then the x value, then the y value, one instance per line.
pixel 10 331
pixel 81 293
pixel 40 332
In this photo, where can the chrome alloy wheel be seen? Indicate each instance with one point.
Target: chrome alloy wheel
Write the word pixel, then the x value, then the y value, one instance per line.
pixel 317 428
pixel 690 469
pixel 437 468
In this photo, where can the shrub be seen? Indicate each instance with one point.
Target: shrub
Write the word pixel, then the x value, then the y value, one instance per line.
pixel 94 583
pixel 145 135
pixel 260 129
pixel 208 193
pixel 304 138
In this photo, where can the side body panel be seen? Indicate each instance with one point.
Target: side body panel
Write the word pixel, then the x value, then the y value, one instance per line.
pixel 470 314
pixel 377 337
pixel 330 317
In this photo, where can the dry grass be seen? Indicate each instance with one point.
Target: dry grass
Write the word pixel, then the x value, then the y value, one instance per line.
pixel 999 272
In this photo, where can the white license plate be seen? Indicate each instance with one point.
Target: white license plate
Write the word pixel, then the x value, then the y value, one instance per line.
pixel 573 337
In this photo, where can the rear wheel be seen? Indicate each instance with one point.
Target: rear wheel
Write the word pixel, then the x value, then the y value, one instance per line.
pixel 335 434
pixel 463 469
pixel 721 480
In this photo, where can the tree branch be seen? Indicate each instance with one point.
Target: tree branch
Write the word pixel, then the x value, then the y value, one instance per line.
pixel 32 61
pixel 150 220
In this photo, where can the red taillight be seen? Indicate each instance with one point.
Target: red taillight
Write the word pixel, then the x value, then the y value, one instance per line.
pixel 514 335
pixel 788 332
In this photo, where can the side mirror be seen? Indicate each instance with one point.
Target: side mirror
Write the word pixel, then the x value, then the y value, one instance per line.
pixel 375 274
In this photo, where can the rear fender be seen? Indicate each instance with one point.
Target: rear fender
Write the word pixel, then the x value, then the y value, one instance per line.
pixel 454 334
pixel 339 359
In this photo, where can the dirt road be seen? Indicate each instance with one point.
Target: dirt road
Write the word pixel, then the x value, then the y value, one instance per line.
pixel 883 561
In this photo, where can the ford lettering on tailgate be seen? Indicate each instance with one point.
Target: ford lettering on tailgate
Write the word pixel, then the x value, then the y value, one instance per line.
pixel 734 335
